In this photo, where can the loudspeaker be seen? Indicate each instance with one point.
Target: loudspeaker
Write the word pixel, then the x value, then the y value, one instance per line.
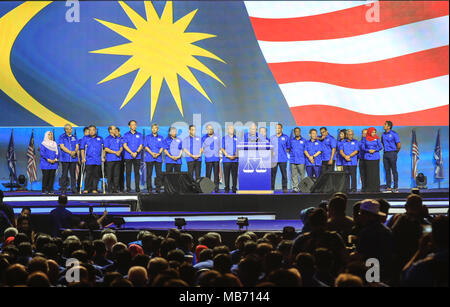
pixel 179 183
pixel 331 182
pixel 306 184
pixel 206 185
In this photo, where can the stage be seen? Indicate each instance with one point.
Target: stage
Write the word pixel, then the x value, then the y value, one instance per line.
pixel 206 212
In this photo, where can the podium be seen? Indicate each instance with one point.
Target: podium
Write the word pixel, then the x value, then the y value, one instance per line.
pixel 254 168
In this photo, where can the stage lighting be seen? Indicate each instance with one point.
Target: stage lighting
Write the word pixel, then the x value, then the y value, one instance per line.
pixel 22 183
pixel 242 221
pixel 421 181
pixel 180 222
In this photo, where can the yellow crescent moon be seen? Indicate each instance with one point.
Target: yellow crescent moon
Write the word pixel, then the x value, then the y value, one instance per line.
pixel 11 24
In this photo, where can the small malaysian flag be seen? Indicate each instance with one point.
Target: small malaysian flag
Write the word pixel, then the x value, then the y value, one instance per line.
pixel 415 154
pixel 31 163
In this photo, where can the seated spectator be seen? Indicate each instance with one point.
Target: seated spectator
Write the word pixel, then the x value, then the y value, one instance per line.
pixel 38 279
pixel 249 271
pixel 99 257
pixel 138 276
pixel 285 278
pixel 305 263
pixel 205 260
pixel 324 266
pixel 320 237
pixel 155 267
pixel 222 263
pixel 239 245
pixel 285 247
pixel 60 216
pixel 348 280
pixel 426 269
pixel 337 220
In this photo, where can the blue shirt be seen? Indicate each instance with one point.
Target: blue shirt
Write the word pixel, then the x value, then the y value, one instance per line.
pixel 339 159
pixel 93 150
pixel 281 144
pixel 390 140
pixel 361 152
pixel 229 145
pixel 312 148
pixel 61 218
pixel 133 142
pixel 154 143
pixel 298 150
pixel 211 147
pixel 113 143
pixel 174 147
pixel 70 142
pixel 348 147
pixel 369 145
pixel 193 145
pixel 328 143
pixel 47 154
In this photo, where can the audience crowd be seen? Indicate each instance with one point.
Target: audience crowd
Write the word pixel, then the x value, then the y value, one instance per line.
pixel 331 251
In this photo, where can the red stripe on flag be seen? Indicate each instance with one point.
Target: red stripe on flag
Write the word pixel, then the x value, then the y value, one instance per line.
pixel 347 22
pixel 400 70
pixel 320 115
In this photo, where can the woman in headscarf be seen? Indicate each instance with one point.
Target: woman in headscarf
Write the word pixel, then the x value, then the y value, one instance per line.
pixel 49 162
pixel 371 147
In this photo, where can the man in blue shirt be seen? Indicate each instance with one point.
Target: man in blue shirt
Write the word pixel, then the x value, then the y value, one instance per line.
pixel 281 147
pixel 92 156
pixel 173 148
pixel 230 159
pixel 113 151
pixel 154 146
pixel 391 144
pixel 68 157
pixel 133 142
pixel 313 152
pixel 211 147
pixel 80 158
pixel 329 150
pixel 251 136
pixel 192 147
pixel 297 159
pixel 61 217
pixel 349 152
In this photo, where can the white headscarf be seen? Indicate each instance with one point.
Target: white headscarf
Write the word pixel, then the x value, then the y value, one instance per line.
pixel 49 144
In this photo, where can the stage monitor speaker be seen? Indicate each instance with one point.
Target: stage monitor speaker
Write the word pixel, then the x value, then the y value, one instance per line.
pixel 306 184
pixel 206 185
pixel 179 183
pixel 331 182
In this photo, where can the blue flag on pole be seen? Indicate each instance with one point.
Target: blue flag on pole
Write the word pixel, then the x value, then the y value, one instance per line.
pixel 11 157
pixel 439 170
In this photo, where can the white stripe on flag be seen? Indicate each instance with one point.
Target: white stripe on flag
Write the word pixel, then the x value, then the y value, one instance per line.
pixel 292 9
pixel 365 48
pixel 405 98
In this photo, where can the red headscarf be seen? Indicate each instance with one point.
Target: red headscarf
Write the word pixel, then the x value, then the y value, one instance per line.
pixel 369 136
pixel 135 250
pixel 198 249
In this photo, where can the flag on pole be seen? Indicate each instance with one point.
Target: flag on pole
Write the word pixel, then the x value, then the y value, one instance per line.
pixel 439 170
pixel 78 166
pixel 415 154
pixel 11 158
pixel 31 163
pixel 143 166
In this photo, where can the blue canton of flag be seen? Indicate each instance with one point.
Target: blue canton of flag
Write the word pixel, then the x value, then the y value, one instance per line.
pixel 439 170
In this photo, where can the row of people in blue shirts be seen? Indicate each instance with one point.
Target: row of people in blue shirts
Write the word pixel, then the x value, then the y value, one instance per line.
pixel 312 157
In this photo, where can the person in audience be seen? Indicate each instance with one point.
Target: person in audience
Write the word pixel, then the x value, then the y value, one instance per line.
pixel 60 216
pixel 337 220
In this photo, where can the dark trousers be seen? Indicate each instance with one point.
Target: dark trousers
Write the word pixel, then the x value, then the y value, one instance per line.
pixel 209 167
pixel 327 168
pixel 313 170
pixel 351 176
pixel 194 167
pixel 157 166
pixel 230 168
pixel 48 179
pixel 362 174
pixel 372 175
pixel 173 168
pixel 113 174
pixel 283 170
pixel 122 175
pixel 390 166
pixel 68 167
pixel 135 163
pixel 92 177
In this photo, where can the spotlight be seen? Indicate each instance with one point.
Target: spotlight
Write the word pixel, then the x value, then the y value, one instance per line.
pixel 180 222
pixel 242 221
pixel 22 182
pixel 421 181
